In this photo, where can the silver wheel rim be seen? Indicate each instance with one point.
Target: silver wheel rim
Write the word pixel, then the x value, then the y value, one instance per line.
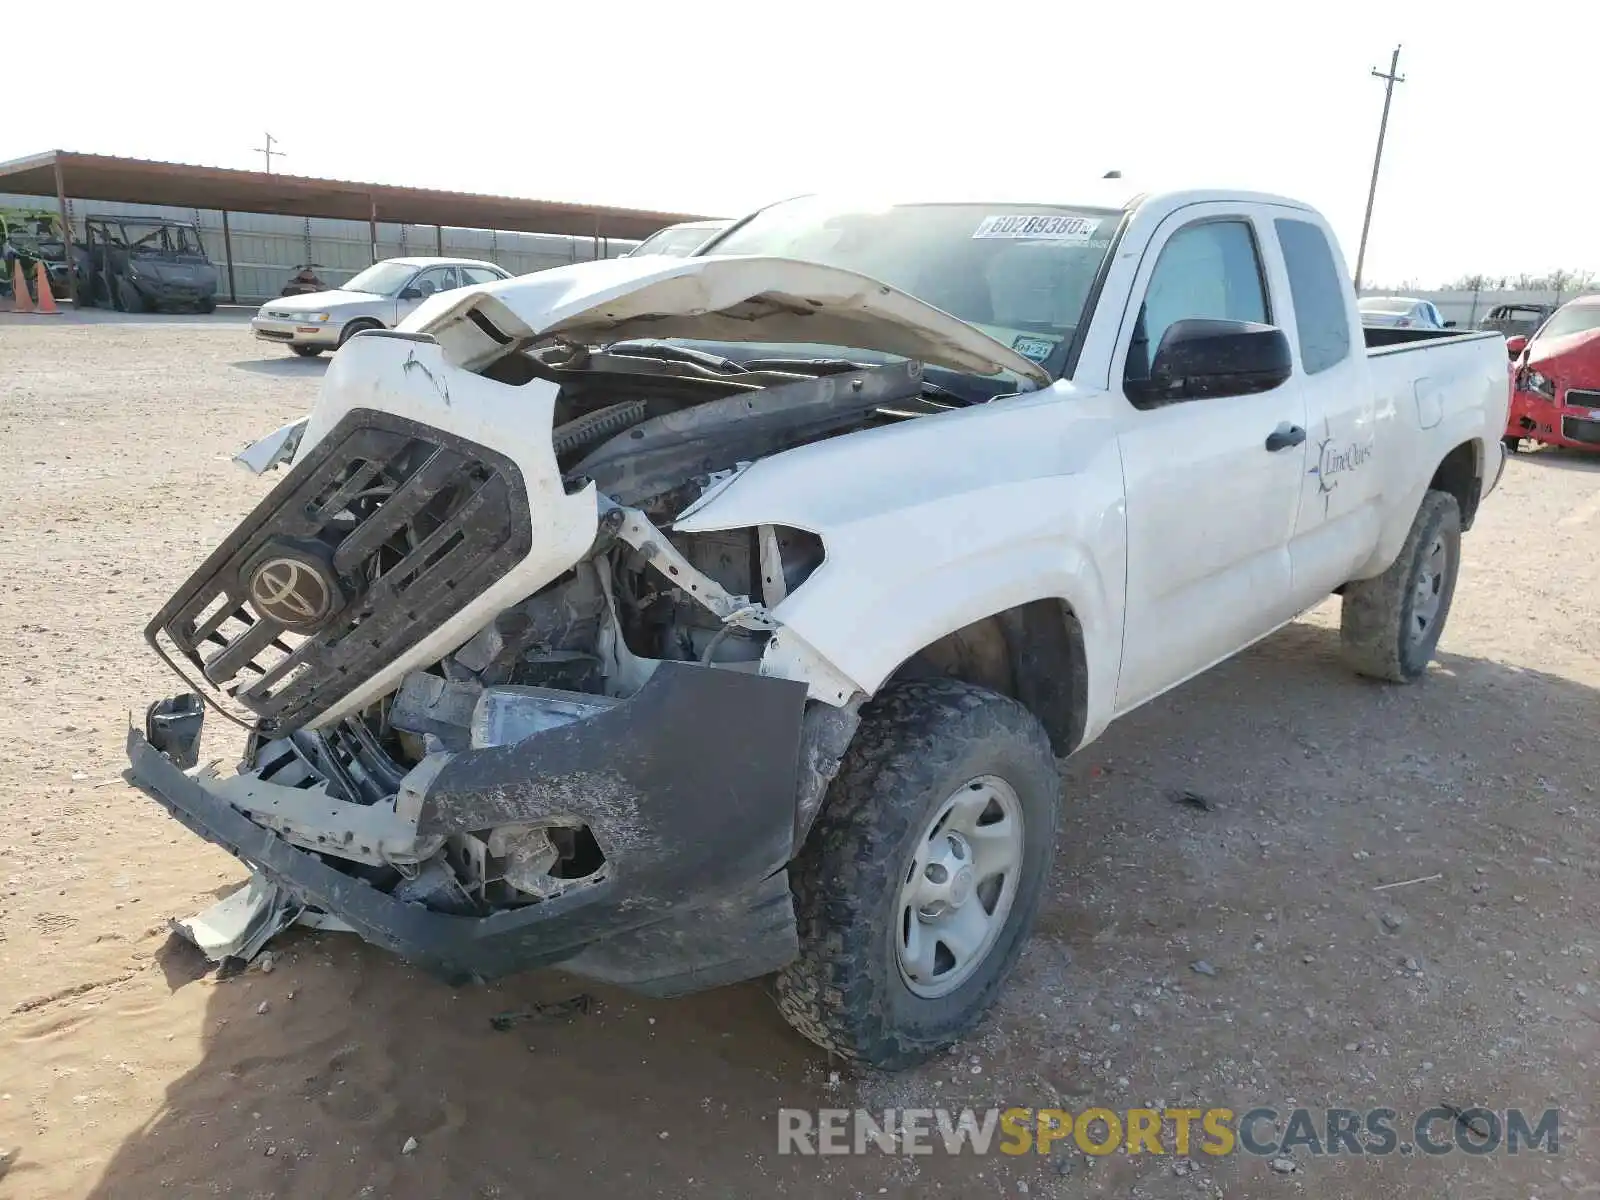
pixel 959 887
pixel 1428 595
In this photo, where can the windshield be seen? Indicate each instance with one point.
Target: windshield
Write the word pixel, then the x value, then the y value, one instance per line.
pixel 381 279
pixel 149 241
pixel 1574 318
pixel 1020 273
pixel 1385 304
pixel 677 241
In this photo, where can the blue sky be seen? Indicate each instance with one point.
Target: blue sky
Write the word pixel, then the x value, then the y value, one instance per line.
pixel 719 107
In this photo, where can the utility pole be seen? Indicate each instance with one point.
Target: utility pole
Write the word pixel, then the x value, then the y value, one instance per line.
pixel 1393 77
pixel 269 152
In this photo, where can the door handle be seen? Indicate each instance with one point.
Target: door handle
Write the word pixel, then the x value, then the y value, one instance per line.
pixel 1285 436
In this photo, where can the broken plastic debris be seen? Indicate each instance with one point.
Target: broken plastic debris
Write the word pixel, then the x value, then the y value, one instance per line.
pixel 241 924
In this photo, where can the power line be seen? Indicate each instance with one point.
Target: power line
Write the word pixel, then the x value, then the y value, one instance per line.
pixel 270 152
pixel 1391 78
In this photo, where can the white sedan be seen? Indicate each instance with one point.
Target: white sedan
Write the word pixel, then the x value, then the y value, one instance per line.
pixel 1401 312
pixel 378 298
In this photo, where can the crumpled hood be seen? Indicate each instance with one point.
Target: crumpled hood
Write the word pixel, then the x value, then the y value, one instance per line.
pixel 1574 359
pixel 735 298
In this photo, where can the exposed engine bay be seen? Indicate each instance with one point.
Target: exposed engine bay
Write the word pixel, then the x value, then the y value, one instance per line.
pixel 384 528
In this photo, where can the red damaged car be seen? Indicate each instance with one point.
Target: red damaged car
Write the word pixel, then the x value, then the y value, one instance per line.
pixel 1556 393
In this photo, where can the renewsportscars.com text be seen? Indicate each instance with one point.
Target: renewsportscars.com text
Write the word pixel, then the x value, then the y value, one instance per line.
pixel 1177 1131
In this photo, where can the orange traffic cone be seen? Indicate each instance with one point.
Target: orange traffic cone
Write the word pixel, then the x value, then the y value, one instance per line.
pixel 47 301
pixel 20 300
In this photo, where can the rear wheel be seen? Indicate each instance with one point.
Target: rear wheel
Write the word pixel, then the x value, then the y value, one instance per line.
pixel 207 304
pixel 919 883
pixel 1390 625
pixel 356 327
pixel 307 351
pixel 1512 444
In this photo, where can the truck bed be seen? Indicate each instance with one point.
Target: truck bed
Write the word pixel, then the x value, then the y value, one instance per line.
pixel 1389 338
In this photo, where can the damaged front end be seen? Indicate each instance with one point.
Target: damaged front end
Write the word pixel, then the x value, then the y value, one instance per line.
pixel 499 715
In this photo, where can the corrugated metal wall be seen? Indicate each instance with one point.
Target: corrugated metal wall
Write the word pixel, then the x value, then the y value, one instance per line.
pixel 267 248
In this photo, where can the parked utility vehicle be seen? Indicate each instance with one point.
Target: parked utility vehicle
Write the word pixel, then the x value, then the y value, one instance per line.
pixel 140 264
pixel 682 620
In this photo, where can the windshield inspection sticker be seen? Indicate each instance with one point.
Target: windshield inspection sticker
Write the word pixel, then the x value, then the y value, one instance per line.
pixel 1042 229
pixel 1036 348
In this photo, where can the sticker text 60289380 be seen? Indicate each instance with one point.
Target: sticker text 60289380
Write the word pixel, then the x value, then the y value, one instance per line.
pixel 1045 229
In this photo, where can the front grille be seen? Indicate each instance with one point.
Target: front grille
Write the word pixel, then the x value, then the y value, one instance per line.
pixel 1576 429
pixel 412 524
pixel 275 334
pixel 1583 398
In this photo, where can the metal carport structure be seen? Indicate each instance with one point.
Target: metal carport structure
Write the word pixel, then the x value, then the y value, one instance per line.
pixel 59 173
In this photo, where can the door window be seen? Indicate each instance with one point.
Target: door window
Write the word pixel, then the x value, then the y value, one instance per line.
pixel 1208 270
pixel 480 275
pixel 435 279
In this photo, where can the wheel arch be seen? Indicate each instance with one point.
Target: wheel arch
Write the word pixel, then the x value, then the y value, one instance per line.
pixel 1460 474
pixel 1033 652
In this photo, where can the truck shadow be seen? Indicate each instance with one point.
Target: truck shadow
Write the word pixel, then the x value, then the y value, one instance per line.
pixel 290 366
pixel 314 1077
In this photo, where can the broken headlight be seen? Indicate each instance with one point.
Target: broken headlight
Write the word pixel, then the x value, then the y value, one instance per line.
pixel 1537 382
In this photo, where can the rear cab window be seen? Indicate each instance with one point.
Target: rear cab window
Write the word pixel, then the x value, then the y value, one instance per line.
pixel 1317 291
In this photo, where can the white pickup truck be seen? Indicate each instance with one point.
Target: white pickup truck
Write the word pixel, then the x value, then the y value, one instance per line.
pixel 682 620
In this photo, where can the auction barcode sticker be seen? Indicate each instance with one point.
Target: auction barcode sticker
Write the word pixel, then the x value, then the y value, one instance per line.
pixel 1047 229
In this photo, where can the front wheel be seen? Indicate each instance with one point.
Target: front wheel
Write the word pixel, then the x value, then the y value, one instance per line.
pixel 1390 625
pixel 129 298
pixel 307 351
pixel 358 326
pixel 918 885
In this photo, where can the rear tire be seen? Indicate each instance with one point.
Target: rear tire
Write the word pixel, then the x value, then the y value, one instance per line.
pixel 1390 625
pixel 857 988
pixel 357 326
pixel 206 305
pixel 1513 445
pixel 307 351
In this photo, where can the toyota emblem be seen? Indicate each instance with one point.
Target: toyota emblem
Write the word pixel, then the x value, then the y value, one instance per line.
pixel 291 591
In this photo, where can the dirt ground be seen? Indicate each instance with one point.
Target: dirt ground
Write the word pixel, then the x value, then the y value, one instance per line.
pixel 128 1070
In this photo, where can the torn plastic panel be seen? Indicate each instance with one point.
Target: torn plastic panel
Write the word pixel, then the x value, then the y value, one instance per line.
pixel 650 778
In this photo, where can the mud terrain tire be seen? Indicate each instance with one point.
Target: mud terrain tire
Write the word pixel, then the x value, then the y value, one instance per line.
pixel 920 742
pixel 1383 628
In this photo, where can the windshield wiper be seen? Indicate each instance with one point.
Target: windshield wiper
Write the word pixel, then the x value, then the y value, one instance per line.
pixel 645 348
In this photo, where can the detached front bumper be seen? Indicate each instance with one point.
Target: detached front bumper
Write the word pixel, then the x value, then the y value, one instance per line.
pixel 291 333
pixel 689 789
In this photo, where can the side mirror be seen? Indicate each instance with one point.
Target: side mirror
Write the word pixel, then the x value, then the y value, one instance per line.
pixel 1201 357
pixel 411 293
pixel 1449 324
pixel 1516 344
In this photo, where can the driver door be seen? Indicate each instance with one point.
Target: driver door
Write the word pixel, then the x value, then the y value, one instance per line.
pixel 1212 494
pixel 425 283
